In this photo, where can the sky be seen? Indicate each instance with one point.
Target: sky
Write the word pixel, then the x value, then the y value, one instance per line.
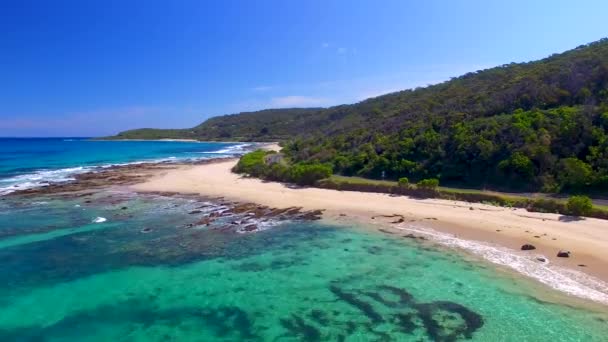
pixel 94 68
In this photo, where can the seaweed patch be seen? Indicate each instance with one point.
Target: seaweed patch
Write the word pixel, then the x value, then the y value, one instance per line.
pixel 380 308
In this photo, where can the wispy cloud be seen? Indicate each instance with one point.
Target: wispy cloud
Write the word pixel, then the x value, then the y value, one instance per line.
pixel 298 101
pixel 341 50
pixel 261 88
pixel 351 90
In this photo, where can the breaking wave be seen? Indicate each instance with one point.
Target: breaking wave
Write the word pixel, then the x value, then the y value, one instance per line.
pixel 40 178
pixel 565 280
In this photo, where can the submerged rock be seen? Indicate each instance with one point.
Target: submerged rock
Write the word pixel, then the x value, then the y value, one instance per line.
pixel 205 221
pixel 250 228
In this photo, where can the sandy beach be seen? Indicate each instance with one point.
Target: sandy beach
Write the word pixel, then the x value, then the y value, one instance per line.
pixel 585 239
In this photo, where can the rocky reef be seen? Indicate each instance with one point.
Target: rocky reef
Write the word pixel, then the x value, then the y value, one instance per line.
pixel 385 313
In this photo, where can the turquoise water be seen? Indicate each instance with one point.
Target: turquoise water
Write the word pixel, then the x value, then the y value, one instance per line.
pixel 26 163
pixel 142 275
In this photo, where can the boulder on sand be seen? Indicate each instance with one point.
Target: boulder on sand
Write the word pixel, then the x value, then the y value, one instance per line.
pixel 527 247
pixel 563 254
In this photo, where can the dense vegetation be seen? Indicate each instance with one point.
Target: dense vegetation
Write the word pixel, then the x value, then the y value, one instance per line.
pixel 538 126
pixel 532 126
pixel 257 164
pixel 263 125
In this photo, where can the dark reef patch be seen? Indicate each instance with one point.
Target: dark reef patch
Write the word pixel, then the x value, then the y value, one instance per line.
pixel 440 320
pixel 385 304
pixel 366 308
pixel 230 323
pixel 297 327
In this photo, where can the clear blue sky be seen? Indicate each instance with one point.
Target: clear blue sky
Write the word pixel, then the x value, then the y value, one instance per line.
pixel 87 68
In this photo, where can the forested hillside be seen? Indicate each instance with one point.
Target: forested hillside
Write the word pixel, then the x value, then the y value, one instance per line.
pixel 532 126
pixel 263 125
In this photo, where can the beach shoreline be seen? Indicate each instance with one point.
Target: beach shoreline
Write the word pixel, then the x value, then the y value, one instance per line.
pixel 496 226
pixel 475 228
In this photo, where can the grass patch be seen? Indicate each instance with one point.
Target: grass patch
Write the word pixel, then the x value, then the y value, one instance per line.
pixel 537 203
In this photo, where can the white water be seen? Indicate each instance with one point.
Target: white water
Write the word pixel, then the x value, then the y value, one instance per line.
pixel 565 280
pixel 236 149
pixel 42 178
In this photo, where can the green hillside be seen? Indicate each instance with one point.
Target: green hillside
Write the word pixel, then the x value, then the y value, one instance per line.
pixel 263 125
pixel 531 126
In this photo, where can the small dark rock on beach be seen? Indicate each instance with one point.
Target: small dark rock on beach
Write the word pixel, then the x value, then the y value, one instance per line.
pixel 528 247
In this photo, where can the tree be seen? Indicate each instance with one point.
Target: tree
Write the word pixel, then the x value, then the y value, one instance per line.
pixel 404 182
pixel 519 165
pixel 574 173
pixel 579 205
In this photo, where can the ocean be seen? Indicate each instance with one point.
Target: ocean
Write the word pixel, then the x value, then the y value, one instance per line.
pixel 116 265
pixel 27 163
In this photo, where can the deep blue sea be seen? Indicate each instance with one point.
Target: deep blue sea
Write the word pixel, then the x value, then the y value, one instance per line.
pixel 26 163
pixel 115 265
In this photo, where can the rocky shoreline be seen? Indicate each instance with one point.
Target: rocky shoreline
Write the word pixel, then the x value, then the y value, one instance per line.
pixel 216 213
pixel 118 175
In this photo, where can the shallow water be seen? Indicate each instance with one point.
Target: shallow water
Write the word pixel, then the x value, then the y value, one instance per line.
pixel 63 277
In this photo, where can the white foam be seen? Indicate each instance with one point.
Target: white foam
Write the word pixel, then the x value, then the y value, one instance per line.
pixel 236 149
pixel 38 179
pixel 566 280
pixel 99 219
pixel 42 178
pixel 262 225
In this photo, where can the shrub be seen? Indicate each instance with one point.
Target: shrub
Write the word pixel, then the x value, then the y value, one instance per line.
pixel 404 182
pixel 308 174
pixel 278 172
pixel 429 184
pixel 252 163
pixel 579 205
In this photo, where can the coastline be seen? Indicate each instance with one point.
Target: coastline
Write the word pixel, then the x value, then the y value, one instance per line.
pixel 166 140
pixel 495 226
